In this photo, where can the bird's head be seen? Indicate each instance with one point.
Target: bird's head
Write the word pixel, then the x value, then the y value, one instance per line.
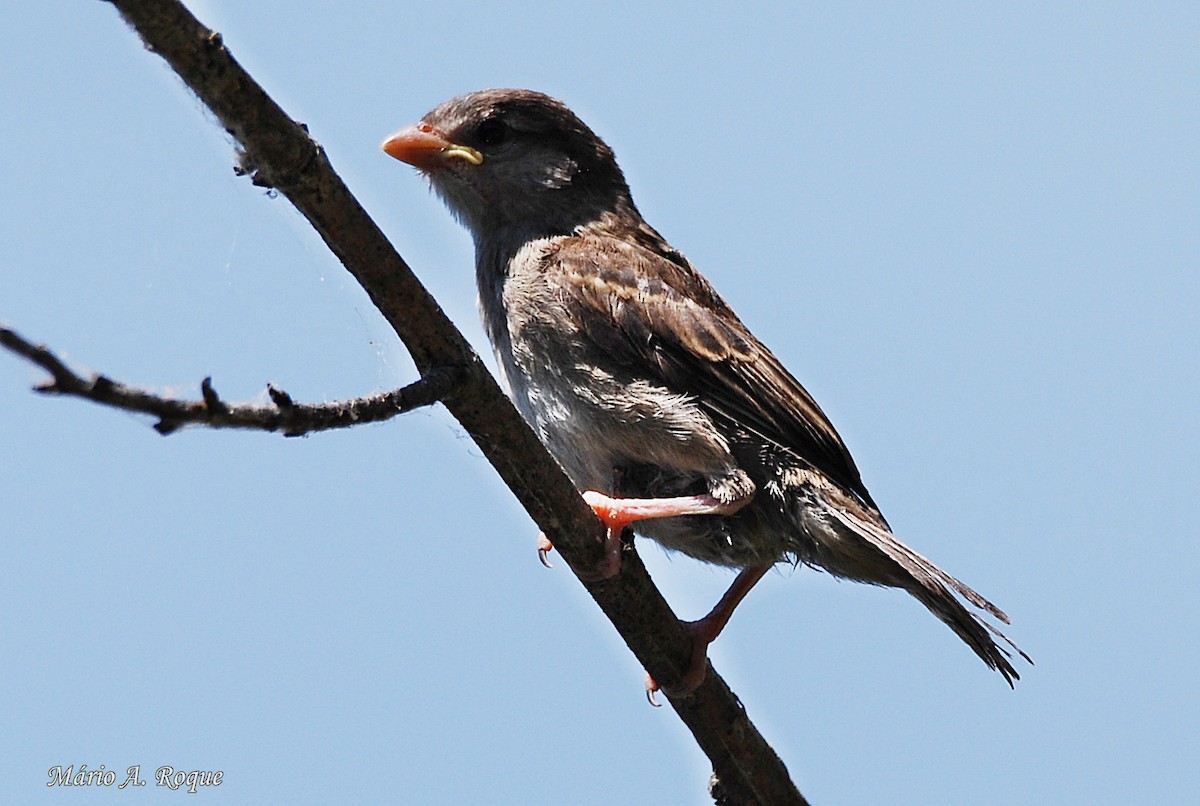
pixel 514 159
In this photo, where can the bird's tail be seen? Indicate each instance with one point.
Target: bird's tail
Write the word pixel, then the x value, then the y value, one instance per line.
pixel 936 589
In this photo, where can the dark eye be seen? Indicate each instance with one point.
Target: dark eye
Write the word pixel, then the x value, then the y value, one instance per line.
pixel 492 132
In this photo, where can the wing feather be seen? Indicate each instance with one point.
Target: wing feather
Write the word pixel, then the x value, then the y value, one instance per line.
pixel 654 313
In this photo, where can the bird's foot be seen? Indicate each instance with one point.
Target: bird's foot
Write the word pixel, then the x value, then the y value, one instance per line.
pixel 702 633
pixel 609 565
pixel 619 513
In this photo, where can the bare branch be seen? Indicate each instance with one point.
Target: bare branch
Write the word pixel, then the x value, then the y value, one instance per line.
pixel 278 153
pixel 285 415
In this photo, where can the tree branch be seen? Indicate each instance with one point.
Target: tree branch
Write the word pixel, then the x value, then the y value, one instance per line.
pixel 285 415
pixel 278 153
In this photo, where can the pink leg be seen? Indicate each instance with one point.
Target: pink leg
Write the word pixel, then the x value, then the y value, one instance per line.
pixel 706 630
pixel 617 513
pixel 624 511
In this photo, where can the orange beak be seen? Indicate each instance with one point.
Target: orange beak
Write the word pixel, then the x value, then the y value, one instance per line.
pixel 424 147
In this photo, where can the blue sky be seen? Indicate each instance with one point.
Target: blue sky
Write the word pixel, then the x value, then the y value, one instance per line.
pixel 972 231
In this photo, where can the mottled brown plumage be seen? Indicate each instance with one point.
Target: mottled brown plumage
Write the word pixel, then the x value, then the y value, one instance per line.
pixel 640 379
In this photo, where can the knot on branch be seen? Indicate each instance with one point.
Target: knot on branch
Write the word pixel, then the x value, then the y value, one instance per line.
pixel 280 171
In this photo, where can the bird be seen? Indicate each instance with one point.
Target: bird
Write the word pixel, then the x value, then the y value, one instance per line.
pixel 662 407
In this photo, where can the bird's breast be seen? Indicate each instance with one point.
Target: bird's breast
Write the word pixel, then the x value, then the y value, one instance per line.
pixel 594 412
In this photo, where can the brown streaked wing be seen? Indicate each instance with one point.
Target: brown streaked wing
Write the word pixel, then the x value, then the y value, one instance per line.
pixel 662 317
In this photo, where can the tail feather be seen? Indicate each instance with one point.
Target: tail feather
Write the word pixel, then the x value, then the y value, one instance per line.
pixel 932 587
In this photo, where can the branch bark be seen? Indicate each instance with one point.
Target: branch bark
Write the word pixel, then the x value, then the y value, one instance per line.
pixel 278 153
pixel 290 418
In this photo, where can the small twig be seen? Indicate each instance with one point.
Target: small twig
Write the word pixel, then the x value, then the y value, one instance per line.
pixel 285 415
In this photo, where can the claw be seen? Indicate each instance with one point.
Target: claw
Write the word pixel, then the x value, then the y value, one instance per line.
pixel 652 687
pixel 544 547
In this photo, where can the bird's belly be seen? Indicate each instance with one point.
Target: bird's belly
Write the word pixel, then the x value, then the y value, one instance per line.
pixel 660 445
pixel 595 426
pixel 733 541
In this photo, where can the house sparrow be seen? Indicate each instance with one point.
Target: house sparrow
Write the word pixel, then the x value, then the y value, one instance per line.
pixel 661 406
